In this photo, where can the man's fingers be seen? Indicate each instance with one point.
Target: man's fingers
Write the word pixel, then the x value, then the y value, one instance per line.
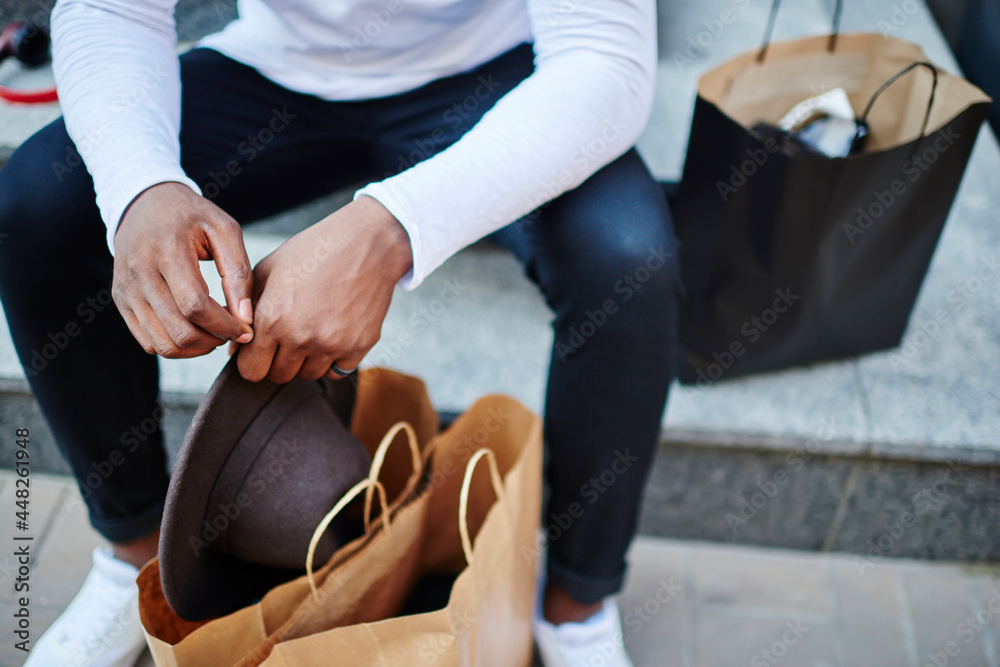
pixel 285 365
pixel 314 367
pixel 254 359
pixel 191 300
pixel 231 260
pixel 137 332
pixel 177 320
pixel 162 343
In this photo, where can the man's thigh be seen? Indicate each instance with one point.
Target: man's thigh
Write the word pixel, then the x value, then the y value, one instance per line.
pixel 256 148
pixel 607 244
pixel 414 126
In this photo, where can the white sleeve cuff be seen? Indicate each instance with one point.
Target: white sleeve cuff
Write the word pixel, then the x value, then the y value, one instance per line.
pixel 113 204
pixel 421 268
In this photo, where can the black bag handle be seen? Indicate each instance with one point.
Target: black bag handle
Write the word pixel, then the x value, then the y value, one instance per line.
pixel 863 121
pixel 773 17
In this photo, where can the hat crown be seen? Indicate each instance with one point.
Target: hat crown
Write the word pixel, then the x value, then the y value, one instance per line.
pixel 304 468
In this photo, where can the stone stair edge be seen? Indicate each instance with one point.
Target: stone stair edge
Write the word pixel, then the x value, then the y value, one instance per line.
pixel 721 440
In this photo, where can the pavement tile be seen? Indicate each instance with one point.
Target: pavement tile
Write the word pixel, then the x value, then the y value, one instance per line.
pixel 772 581
pixel 64 555
pixel 869 614
pixel 942 602
pixel 727 641
pixel 987 615
pixel 944 395
pixel 46 492
pixel 654 609
pixel 40 618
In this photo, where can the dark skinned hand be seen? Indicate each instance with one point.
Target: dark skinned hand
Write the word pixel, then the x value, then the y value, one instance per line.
pixel 322 295
pixel 158 288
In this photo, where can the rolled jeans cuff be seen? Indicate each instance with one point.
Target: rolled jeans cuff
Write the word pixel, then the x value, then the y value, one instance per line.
pixel 134 527
pixel 583 588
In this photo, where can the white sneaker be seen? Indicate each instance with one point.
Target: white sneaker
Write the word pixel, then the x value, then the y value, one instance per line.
pixel 596 642
pixel 101 627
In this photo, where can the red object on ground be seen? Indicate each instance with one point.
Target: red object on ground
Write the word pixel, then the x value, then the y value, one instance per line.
pixel 40 96
pixel 29 44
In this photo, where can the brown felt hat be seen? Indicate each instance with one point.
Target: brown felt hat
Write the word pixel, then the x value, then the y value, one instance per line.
pixel 259 468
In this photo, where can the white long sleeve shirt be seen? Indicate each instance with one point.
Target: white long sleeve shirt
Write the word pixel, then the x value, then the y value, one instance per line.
pixel 586 103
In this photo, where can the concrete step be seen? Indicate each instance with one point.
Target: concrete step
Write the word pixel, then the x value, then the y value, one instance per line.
pixel 880 430
pixel 680 597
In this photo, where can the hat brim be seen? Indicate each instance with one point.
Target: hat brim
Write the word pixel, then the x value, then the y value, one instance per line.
pixel 200 583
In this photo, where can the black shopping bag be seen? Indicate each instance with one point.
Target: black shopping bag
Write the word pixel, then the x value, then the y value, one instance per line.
pixel 792 258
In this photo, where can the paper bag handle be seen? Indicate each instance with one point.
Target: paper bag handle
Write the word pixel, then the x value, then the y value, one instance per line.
pixel 463 499
pixel 863 121
pixel 769 31
pixel 379 458
pixel 341 504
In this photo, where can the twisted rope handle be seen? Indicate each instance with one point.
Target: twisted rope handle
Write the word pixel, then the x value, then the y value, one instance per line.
pixel 463 499
pixel 341 504
pixel 379 458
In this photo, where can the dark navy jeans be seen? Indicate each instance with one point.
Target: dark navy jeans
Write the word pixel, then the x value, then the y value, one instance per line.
pixel 604 256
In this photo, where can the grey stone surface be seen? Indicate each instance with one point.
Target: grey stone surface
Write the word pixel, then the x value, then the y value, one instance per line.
pixel 799 498
pixel 921 510
pixel 935 398
pixel 870 507
pixel 19 410
pixel 744 496
pixel 692 604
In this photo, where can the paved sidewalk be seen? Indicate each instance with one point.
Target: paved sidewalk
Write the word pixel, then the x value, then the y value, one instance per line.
pixel 686 604
pixel 937 397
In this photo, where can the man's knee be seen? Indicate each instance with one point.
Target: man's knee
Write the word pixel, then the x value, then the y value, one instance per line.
pixel 644 275
pixel 46 196
pixel 629 297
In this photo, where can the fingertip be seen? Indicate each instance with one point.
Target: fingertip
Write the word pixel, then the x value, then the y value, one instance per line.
pixel 245 338
pixel 246 311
